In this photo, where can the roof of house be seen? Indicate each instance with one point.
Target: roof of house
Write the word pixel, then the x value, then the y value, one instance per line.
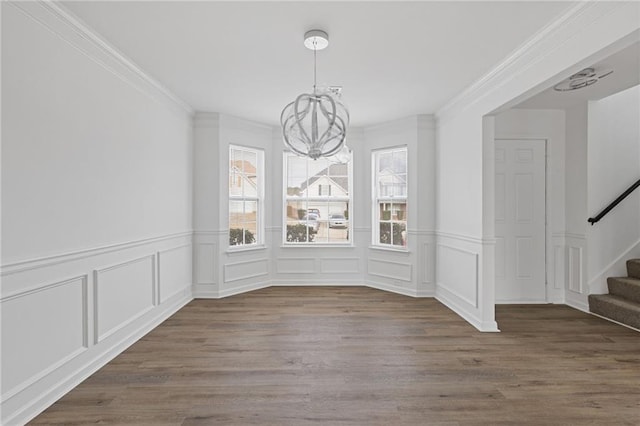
pixel 245 166
pixel 336 172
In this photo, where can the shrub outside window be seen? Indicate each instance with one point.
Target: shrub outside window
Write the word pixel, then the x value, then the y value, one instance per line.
pixel 317 201
pixel 245 196
pixel 390 197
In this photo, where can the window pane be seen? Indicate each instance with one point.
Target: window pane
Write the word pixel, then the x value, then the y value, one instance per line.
pixel 249 167
pixel 385 160
pixel 236 213
pixel 399 162
pixel 244 181
pixel 311 185
pixel 296 175
pixel 400 185
pixel 337 223
pixel 399 212
pixel 390 181
pixel 235 172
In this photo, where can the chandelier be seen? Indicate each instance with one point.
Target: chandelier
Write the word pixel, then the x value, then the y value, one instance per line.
pixel 315 124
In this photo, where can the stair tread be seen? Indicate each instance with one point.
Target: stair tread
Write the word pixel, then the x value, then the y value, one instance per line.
pixel 628 288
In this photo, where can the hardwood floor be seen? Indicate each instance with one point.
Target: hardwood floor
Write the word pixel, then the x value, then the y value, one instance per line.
pixel 359 356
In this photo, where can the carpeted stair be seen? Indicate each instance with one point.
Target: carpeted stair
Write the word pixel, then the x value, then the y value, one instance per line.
pixel 622 304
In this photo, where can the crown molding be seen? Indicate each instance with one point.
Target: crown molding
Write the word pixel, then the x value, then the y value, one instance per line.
pixel 577 18
pixel 61 22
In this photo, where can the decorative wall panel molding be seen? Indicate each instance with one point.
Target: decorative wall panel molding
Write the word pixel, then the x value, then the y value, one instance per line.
pixel 425 263
pixel 41 262
pixel 174 271
pixel 296 265
pixel 559 267
pixel 205 263
pixel 390 269
pixel 246 269
pixel 458 268
pixel 56 334
pixel 575 269
pixel 339 265
pixel 122 293
pixel 42 329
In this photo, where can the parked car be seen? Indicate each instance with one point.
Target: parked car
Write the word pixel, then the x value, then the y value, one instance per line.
pixel 337 221
pixel 314 211
pixel 311 220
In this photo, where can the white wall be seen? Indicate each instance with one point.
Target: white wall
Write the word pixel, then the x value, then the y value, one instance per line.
pixel 412 271
pixel 550 126
pixel 218 271
pixel 586 33
pixel 576 214
pixel 318 265
pixel 613 165
pixel 96 207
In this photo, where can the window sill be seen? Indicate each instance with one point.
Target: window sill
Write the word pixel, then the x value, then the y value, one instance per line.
pixel 391 248
pixel 243 249
pixel 316 245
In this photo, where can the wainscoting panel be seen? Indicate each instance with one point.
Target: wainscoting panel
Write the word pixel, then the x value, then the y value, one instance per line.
pixel 339 265
pixel 390 269
pixel 205 263
pixel 296 265
pixel 575 269
pixel 122 293
pixel 559 264
pixel 426 266
pixel 174 271
pixel 246 269
pixel 42 328
pixel 66 315
pixel 458 273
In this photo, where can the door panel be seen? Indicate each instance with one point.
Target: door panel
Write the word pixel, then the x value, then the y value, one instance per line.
pixel 520 221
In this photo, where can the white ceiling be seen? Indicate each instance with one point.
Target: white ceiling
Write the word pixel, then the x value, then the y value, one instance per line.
pixel 626 73
pixel 247 59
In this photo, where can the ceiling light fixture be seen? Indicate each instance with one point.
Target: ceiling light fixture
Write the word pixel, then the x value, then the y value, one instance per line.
pixel 315 124
pixel 584 78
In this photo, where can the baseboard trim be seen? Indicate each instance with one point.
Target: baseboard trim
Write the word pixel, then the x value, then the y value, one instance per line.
pixel 575 304
pixel 615 322
pixel 442 296
pixel 242 289
pixel 38 404
pixel 392 288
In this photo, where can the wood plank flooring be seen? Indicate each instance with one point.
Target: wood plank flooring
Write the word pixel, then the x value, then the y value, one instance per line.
pixel 359 356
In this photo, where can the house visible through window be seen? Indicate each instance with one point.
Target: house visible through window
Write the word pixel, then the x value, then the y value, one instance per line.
pixel 390 197
pixel 245 196
pixel 317 201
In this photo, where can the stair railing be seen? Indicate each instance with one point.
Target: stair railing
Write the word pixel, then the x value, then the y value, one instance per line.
pixel 614 203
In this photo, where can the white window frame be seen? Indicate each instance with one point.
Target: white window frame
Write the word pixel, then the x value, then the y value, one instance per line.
pixel 324 198
pixel 259 198
pixel 377 199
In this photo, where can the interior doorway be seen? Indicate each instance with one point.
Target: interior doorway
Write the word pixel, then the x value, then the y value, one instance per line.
pixel 520 221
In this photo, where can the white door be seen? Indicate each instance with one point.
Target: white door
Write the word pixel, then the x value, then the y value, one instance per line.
pixel 520 221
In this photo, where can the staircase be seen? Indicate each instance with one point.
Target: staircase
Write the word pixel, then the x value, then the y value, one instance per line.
pixel 622 304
